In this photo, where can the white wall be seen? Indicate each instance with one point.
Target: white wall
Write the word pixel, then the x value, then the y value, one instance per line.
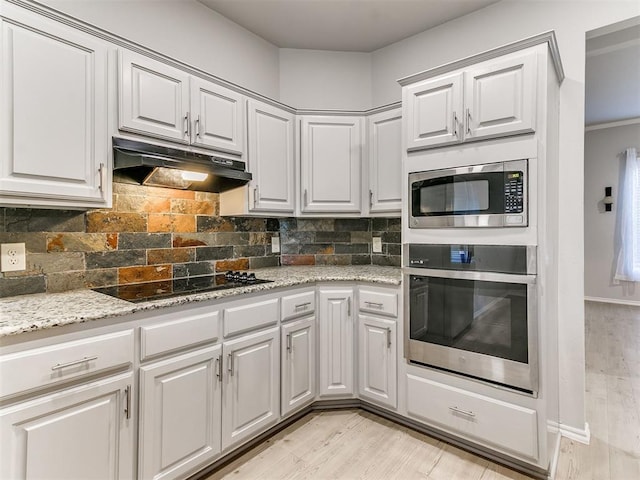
pixel 188 31
pixel 320 79
pixel 501 23
pixel 603 150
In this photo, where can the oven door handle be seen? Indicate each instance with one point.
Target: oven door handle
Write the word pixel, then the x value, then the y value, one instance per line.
pixel 472 275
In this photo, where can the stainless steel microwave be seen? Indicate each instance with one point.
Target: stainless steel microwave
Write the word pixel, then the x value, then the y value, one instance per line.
pixel 487 195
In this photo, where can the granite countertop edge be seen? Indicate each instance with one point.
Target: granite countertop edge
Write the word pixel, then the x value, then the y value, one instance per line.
pixel 29 313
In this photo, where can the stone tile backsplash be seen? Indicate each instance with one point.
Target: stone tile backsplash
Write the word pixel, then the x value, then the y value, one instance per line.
pixel 158 234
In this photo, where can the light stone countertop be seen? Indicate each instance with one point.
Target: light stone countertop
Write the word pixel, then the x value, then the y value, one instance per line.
pixel 28 313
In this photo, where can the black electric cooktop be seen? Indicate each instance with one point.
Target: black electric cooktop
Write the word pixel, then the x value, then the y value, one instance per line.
pixel 141 292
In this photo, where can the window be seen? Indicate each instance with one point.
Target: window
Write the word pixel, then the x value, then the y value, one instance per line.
pixel 628 262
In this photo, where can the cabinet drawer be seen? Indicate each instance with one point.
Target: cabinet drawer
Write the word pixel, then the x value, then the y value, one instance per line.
pixel 42 367
pixel 203 327
pixel 484 419
pixel 378 301
pixel 249 317
pixel 298 304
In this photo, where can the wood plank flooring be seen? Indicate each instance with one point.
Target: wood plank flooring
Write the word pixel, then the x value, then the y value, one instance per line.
pixel 612 334
pixel 353 444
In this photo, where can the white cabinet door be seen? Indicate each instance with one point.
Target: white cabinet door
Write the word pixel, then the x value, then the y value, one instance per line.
pixel 298 342
pixel 500 96
pixel 271 158
pixel 434 112
pixel 217 114
pixel 335 330
pixel 180 413
pixel 154 98
pixel 385 161
pixel 251 398
pixel 54 139
pixel 377 340
pixel 331 164
pixel 83 432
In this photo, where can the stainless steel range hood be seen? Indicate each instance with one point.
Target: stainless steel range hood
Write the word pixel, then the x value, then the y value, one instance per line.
pixel 155 165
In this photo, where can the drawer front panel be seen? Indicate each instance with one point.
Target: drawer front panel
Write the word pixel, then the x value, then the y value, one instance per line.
pixel 378 301
pixel 42 367
pixel 484 419
pixel 298 305
pixel 250 317
pixel 177 334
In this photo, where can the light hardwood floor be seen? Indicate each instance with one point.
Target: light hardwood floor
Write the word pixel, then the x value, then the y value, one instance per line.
pixel 353 444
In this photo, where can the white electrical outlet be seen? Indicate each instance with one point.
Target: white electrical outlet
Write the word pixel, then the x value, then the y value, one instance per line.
pixel 275 244
pixel 13 256
pixel 377 244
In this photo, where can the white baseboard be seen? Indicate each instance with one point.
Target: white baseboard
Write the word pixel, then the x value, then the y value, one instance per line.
pixel 577 434
pixel 633 303
pixel 553 465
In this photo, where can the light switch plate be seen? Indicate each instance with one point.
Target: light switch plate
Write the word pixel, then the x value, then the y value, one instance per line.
pixel 377 244
pixel 275 244
pixel 13 257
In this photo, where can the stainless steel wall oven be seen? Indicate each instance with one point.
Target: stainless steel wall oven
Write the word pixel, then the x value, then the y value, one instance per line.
pixel 471 309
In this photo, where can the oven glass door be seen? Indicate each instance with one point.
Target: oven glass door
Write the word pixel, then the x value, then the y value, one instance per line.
pixel 485 317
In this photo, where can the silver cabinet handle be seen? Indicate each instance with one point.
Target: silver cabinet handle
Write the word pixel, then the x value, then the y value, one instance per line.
pixel 463 412
pixel 388 337
pixel 289 346
pixel 255 196
pixel 230 368
pixel 305 197
pixel 468 120
pixel 302 305
pixel 349 306
pixel 370 198
pixel 187 119
pixel 455 124
pixel 102 172
pixel 198 126
pixel 219 367
pixel 374 304
pixel 127 402
pixel 58 366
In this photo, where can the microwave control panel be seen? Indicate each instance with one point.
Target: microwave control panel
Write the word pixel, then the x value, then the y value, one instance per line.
pixel 513 192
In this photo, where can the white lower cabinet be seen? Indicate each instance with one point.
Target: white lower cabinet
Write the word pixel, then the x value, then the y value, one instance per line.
pixel 377 365
pixel 298 382
pixel 251 393
pixel 84 432
pixel 486 420
pixel 335 331
pixel 180 413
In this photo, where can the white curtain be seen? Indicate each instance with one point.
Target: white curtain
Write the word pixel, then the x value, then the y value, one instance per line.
pixel 628 264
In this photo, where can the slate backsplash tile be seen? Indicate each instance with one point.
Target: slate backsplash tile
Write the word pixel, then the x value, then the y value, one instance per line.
pixel 158 234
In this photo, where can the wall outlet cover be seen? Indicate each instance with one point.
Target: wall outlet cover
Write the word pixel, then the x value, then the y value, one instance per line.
pixel 13 257
pixel 275 244
pixel 377 244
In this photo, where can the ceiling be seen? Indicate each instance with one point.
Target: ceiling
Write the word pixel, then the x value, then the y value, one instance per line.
pixel 341 25
pixel 612 76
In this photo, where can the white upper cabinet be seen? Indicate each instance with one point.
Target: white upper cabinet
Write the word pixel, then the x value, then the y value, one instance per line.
pixel 434 108
pixel 154 98
pixel 162 101
pixel 385 161
pixel 494 98
pixel 54 138
pixel 500 97
pixel 218 117
pixel 331 164
pixel 271 158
